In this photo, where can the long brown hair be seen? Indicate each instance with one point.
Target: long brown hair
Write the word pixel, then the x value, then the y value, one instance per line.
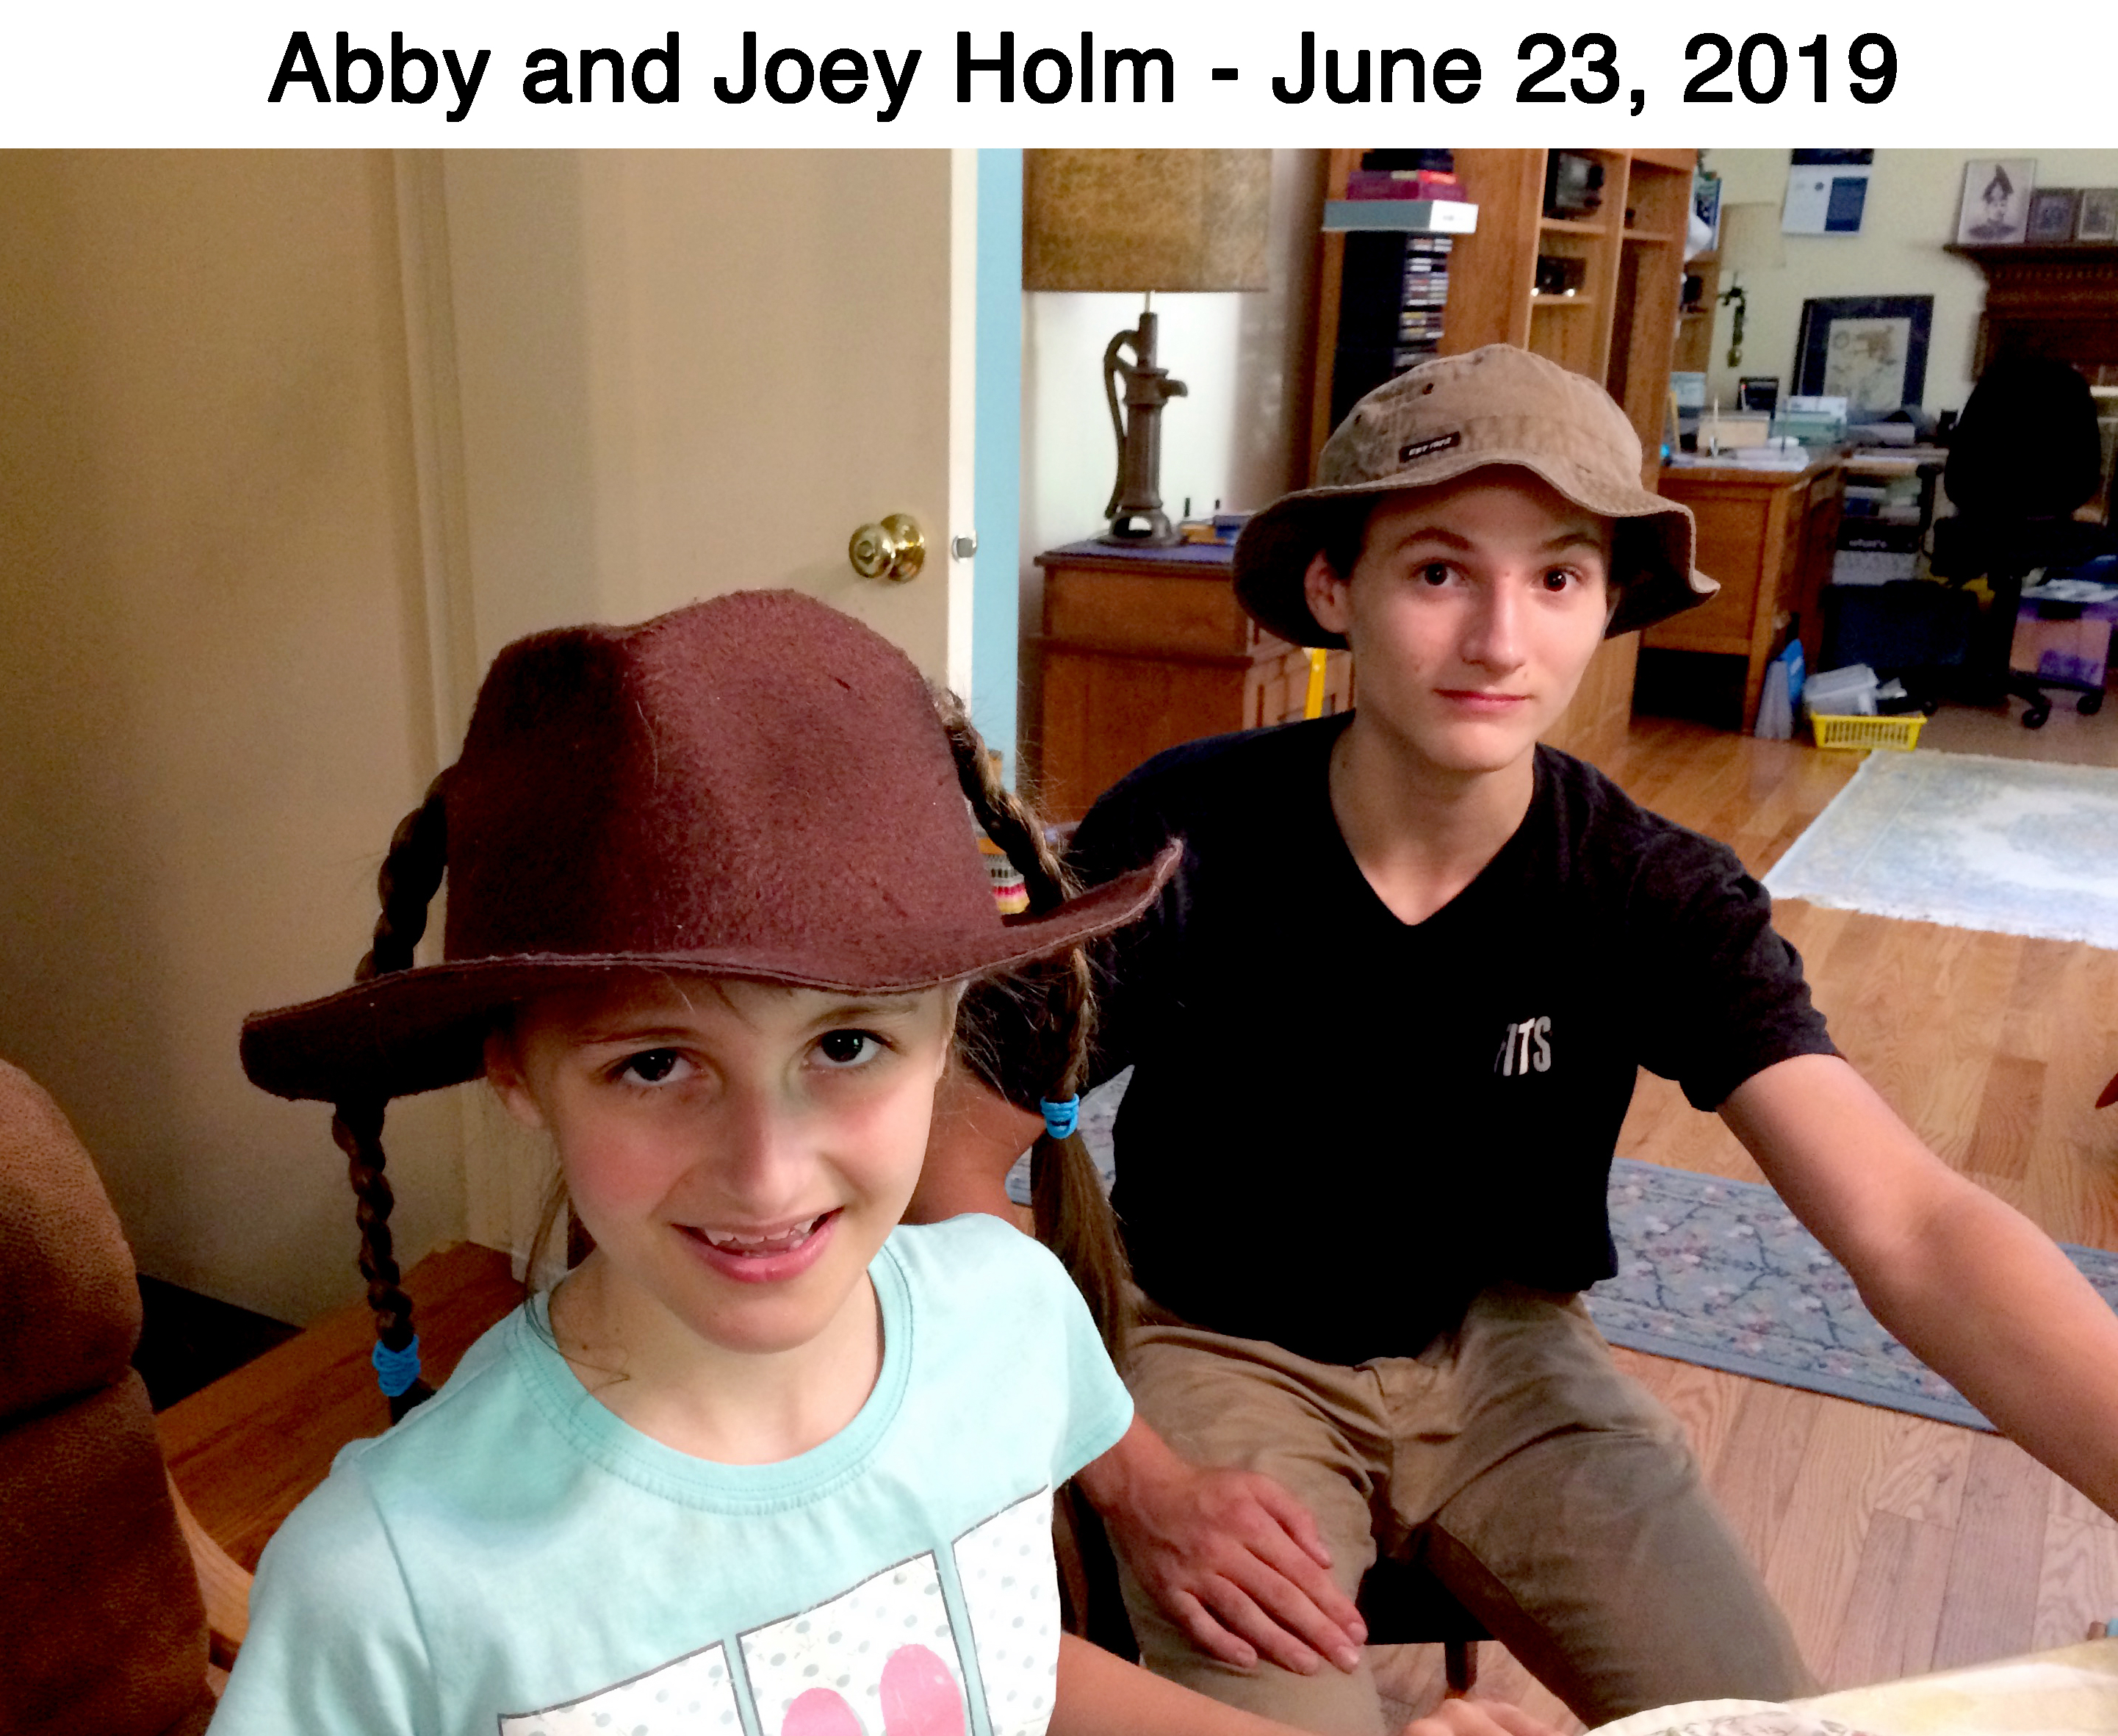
pixel 1073 1217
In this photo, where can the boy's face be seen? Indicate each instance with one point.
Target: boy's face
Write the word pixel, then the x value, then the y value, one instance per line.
pixel 1471 612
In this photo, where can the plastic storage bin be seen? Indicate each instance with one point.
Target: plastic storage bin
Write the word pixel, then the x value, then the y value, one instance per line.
pixel 1846 733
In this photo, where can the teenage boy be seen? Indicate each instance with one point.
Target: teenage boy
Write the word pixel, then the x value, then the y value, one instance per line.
pixel 1384 1025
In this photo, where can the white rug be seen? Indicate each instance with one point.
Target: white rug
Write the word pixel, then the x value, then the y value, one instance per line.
pixel 2012 846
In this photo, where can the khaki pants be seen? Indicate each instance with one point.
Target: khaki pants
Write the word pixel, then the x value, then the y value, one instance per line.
pixel 1554 1496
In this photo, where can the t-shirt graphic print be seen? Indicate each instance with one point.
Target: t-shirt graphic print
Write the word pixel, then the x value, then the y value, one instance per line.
pixel 887 1657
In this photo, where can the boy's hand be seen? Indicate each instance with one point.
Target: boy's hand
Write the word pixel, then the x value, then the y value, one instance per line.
pixel 1231 1557
pixel 1477 1717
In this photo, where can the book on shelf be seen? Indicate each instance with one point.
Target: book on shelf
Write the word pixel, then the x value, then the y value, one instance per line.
pixel 1402 183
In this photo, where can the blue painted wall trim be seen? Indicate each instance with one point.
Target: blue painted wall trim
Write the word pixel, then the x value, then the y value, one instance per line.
pixel 997 488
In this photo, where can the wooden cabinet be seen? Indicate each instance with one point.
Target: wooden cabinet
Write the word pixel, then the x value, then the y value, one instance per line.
pixel 1618 327
pixel 1142 649
pixel 1768 536
pixel 2057 299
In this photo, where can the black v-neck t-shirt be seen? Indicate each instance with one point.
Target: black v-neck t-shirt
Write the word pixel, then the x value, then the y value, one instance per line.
pixel 1340 1126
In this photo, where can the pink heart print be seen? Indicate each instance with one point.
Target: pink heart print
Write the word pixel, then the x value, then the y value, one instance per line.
pixel 919 1696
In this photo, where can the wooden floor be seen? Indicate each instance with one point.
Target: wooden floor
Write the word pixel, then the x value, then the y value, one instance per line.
pixel 1895 1544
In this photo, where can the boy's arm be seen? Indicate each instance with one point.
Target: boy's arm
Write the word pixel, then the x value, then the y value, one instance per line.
pixel 976 1137
pixel 1100 1695
pixel 1231 1557
pixel 1970 1285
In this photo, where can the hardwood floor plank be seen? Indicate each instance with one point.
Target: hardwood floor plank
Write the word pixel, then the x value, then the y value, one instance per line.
pixel 1895 1606
pixel 1924 1474
pixel 1996 1567
pixel 1815 1554
pixel 1761 1462
pixel 2009 1116
pixel 2079 1582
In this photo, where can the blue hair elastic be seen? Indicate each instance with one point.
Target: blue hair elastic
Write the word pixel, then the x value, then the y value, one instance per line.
pixel 1060 1117
pixel 395 1370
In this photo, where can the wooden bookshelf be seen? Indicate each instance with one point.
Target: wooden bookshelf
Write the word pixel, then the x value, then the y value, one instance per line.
pixel 1620 328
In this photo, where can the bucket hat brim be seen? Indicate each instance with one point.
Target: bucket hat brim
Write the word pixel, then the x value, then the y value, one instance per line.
pixel 416 1031
pixel 1497 406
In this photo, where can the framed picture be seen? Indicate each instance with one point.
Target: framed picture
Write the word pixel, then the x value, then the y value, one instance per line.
pixel 1996 199
pixel 2051 214
pixel 1868 349
pixel 2098 217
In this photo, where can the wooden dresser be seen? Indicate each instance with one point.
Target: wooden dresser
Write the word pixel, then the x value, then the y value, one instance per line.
pixel 1143 648
pixel 1768 536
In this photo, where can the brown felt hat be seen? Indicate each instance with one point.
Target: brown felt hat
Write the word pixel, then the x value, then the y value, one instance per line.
pixel 755 786
pixel 1433 424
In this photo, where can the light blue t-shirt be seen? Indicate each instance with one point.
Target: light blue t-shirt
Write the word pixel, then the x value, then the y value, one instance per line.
pixel 512 1558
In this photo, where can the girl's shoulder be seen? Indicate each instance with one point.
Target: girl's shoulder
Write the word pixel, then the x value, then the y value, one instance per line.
pixel 332 1584
pixel 974 1255
pixel 482 1403
pixel 980 1293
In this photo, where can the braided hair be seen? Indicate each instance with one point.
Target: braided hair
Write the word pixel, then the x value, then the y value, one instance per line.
pixel 1072 1217
pixel 411 875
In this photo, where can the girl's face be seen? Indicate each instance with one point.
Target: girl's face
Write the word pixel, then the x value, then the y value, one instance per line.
pixel 739 1149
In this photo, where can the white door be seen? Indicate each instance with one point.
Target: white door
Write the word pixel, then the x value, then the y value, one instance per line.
pixel 644 377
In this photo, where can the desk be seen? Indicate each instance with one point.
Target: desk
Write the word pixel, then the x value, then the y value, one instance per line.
pixel 1768 536
pixel 1143 648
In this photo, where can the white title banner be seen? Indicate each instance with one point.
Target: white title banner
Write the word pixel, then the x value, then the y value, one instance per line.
pixel 930 72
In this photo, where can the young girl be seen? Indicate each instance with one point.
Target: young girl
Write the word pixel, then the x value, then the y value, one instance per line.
pixel 764 1463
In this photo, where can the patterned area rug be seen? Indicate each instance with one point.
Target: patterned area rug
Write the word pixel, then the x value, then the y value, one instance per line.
pixel 1720 1273
pixel 2011 846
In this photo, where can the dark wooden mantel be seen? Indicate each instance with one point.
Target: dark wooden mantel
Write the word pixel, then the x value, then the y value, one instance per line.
pixel 2057 299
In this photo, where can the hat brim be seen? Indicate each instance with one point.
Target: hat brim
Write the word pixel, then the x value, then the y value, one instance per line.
pixel 416 1031
pixel 1273 554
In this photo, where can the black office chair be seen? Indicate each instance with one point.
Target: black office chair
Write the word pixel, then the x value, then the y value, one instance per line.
pixel 2024 455
pixel 1405 1604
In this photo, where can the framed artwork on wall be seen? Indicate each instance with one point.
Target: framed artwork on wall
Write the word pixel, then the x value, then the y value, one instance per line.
pixel 2097 219
pixel 2052 214
pixel 1868 349
pixel 1995 207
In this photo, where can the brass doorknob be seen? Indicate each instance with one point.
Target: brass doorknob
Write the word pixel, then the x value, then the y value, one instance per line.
pixel 892 550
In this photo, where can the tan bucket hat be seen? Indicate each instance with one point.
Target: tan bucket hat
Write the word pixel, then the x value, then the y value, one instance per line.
pixel 1495 406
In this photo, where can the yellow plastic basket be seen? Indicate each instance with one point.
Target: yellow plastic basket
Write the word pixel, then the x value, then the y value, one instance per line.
pixel 1900 733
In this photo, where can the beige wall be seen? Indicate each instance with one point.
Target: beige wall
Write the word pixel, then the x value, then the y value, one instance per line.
pixel 293 444
pixel 213 689
pixel 1911 216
